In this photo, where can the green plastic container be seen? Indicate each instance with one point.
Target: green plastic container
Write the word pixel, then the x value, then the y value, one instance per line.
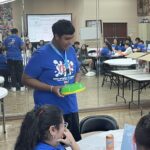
pixel 72 88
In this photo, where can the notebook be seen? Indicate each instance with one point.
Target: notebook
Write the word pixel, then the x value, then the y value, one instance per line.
pixel 127 140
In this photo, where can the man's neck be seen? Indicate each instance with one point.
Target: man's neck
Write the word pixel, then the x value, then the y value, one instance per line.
pixel 55 44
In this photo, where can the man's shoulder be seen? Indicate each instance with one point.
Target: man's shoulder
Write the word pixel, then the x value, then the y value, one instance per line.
pixel 71 50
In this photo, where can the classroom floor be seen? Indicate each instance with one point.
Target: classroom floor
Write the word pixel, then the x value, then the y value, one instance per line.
pixel 94 96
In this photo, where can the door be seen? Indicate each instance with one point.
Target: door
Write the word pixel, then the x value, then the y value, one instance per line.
pixel 115 30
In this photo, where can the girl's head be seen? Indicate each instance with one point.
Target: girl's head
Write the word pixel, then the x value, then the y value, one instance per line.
pixel 84 47
pixel 137 40
pixel 27 41
pixel 116 42
pixel 50 122
pixel 43 124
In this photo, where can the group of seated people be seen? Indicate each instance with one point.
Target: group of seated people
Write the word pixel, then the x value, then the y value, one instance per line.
pixel 45 129
pixel 122 48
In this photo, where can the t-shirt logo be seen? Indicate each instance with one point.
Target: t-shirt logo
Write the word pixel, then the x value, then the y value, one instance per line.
pixel 12 42
pixel 61 69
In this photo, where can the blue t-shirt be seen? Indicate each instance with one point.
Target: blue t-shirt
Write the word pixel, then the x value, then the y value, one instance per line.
pixel 3 60
pixel 105 52
pixel 141 47
pixel 48 67
pixel 13 45
pixel 44 146
pixel 135 45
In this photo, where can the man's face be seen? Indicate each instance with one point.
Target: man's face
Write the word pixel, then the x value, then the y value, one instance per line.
pixel 64 41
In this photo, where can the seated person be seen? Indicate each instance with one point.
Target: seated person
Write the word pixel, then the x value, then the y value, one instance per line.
pixel 29 49
pixel 4 71
pixel 83 57
pixel 76 46
pixel 128 40
pixel 142 133
pixel 137 41
pixel 44 129
pixel 140 47
pixel 41 43
pixel 106 51
pixel 127 51
pixel 115 45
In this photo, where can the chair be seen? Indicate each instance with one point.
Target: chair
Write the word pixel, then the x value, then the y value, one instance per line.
pixel 3 94
pixel 2 80
pixel 98 123
pixel 83 68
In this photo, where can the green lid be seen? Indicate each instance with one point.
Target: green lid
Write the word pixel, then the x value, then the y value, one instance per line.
pixel 72 88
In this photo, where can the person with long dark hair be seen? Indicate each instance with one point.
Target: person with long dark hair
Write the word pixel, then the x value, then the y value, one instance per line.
pixel 44 129
pixel 84 58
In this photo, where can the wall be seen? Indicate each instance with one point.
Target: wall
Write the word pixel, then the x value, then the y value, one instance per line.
pixel 109 11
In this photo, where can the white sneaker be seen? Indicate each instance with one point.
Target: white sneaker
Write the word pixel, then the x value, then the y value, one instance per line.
pixel 22 88
pixel 13 89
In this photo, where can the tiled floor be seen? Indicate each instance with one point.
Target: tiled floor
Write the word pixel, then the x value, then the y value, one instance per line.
pixel 93 96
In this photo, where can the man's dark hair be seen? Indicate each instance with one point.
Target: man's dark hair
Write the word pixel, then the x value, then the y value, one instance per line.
pixel 142 133
pixel 76 43
pixel 62 27
pixel 14 31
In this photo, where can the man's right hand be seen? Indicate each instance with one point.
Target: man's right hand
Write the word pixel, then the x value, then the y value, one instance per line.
pixel 56 90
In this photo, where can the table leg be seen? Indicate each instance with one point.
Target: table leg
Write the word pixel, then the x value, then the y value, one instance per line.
pixel 3 113
pixel 131 94
pixel 139 92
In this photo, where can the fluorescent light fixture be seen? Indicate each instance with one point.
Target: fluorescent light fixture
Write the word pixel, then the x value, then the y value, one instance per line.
pixel 5 1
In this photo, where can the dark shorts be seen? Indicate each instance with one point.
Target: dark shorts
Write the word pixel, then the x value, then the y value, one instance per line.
pixel 73 124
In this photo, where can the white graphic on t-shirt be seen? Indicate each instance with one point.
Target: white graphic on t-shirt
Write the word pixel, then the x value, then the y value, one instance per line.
pixel 61 68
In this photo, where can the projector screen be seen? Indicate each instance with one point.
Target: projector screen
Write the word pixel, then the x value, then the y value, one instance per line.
pixel 39 27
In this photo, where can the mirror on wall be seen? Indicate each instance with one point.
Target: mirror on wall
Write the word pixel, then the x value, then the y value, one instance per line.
pixel 88 25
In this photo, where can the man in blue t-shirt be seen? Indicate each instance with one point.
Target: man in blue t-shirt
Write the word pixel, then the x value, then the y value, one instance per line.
pixel 14 45
pixel 51 67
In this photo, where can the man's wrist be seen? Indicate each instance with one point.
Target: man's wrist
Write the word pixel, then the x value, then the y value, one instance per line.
pixel 51 88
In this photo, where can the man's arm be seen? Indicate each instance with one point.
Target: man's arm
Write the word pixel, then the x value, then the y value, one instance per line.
pixel 36 84
pixel 78 77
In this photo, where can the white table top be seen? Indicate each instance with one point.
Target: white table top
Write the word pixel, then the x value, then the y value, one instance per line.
pixel 3 92
pixel 139 77
pixel 121 62
pixel 95 54
pixel 2 79
pixel 98 141
pixel 128 72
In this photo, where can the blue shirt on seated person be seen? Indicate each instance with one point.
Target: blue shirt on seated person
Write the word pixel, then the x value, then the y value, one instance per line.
pixel 141 47
pixel 106 51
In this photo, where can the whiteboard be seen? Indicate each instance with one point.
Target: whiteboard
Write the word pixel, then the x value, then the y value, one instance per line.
pixel 40 26
pixel 89 33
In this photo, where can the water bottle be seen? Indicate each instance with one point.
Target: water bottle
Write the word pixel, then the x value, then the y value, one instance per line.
pixel 110 142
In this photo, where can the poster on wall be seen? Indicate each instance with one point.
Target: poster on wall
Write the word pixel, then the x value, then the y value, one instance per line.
pixel 6 19
pixel 143 7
